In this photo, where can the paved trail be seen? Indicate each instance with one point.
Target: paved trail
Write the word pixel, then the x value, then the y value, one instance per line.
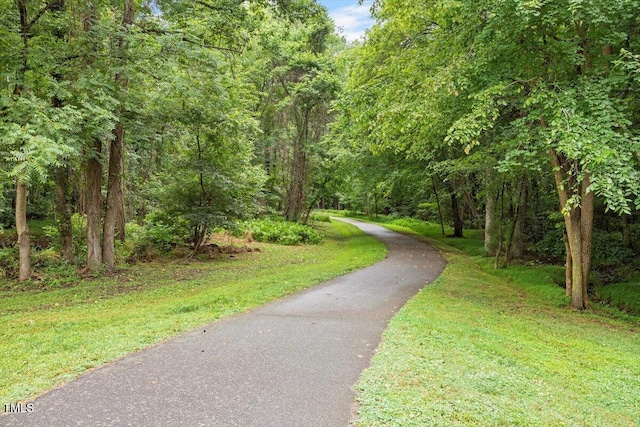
pixel 290 363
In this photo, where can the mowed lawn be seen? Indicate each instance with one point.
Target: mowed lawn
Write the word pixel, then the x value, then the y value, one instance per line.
pixel 51 336
pixel 485 348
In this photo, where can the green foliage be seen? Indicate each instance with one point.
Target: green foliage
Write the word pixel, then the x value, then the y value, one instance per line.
pixel 192 84
pixel 610 251
pixel 320 217
pixel 159 235
pixel 9 262
pixel 281 232
pixel 423 227
pixel 428 211
pixel 551 247
pixel 292 66
pixel 622 296
pixel 154 235
pixel 36 137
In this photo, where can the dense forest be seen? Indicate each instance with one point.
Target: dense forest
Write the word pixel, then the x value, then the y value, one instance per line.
pixel 174 116
pixel 130 124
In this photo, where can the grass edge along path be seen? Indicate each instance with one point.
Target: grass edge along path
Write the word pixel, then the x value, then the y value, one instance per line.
pixel 48 338
pixel 484 348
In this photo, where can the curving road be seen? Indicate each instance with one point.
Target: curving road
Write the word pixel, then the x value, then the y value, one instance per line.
pixel 289 363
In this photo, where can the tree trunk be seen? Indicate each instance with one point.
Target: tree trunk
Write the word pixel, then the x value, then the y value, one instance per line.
pixel 435 192
pixel 22 228
pixel 579 297
pixel 578 220
pixel 500 228
pixel 114 191
pixel 121 218
pixel 517 248
pixel 201 234
pixel 94 208
pixel 515 222
pixel 568 265
pixel 115 199
pixel 295 194
pixel 458 223
pixel 65 211
pixel 586 228
pixel 490 238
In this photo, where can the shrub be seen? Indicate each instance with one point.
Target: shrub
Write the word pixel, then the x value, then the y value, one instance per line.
pixel 150 240
pixel 551 247
pixel 9 262
pixel 160 234
pixel 428 211
pixel 320 217
pixel 423 227
pixel 609 250
pixel 279 231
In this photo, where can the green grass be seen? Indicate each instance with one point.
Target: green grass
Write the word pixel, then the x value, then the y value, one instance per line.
pixel 624 296
pixel 49 337
pixel 480 347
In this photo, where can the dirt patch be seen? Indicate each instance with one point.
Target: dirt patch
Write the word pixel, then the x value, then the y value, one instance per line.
pixel 224 243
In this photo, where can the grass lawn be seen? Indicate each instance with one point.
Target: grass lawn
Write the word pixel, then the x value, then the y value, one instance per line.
pixel 50 336
pixel 480 347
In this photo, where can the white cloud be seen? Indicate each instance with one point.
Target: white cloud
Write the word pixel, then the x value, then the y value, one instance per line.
pixel 352 21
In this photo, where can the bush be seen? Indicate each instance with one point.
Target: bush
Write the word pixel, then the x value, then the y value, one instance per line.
pixel 428 211
pixel 551 247
pixel 9 262
pixel 320 217
pixel 148 241
pixel 609 250
pixel 79 236
pixel 160 234
pixel 279 231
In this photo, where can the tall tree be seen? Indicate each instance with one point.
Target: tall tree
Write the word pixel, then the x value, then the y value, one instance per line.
pixel 115 196
pixel 36 134
pixel 528 77
pixel 297 75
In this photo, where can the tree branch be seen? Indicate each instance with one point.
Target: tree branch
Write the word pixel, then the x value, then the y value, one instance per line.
pixel 217 8
pixel 41 12
pixel 183 37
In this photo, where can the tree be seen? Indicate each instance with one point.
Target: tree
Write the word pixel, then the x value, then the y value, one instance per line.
pixel 505 78
pixel 297 76
pixel 568 95
pixel 36 133
pixel 115 196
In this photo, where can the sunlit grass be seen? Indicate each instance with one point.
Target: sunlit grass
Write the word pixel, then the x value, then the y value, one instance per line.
pixel 49 337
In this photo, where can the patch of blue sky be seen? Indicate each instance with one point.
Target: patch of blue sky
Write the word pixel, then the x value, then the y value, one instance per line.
pixel 351 19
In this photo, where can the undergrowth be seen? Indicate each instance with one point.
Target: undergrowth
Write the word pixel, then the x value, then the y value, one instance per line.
pixel 280 232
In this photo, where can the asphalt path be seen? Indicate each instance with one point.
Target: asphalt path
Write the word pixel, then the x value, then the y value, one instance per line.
pixel 289 363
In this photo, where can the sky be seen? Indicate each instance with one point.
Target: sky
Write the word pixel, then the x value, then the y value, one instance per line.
pixel 351 19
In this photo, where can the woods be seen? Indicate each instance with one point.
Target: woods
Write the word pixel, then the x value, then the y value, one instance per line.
pixel 495 97
pixel 182 116
pixel 173 118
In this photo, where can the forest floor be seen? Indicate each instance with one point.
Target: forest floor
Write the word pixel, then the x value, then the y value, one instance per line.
pixel 485 347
